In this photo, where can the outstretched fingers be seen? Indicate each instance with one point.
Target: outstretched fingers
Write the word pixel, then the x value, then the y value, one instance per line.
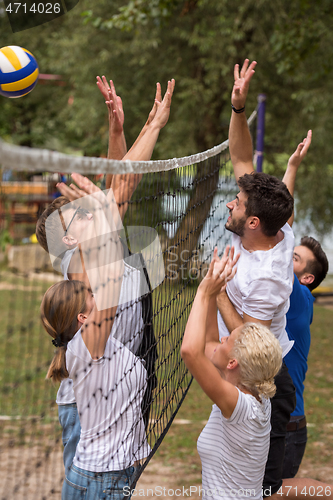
pixel 168 94
pixel 305 144
pixel 242 81
pixel 103 86
pixel 84 184
pixel 158 98
pixel 67 191
pixel 244 68
pixel 163 108
pixel 158 95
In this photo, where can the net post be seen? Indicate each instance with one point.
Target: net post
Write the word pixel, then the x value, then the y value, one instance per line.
pixel 260 131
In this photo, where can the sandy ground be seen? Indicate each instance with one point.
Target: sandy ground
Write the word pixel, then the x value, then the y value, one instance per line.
pixel 26 475
pixel 36 473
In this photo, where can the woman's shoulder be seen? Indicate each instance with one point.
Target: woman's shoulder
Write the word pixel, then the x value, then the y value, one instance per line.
pixel 248 408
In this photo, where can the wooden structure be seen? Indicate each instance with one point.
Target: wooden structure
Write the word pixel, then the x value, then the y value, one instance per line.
pixel 23 201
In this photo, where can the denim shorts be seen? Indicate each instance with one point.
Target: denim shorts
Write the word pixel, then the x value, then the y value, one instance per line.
pixel 295 448
pixel 71 428
pixel 81 484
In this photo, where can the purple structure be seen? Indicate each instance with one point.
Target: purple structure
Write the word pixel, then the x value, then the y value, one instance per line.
pixel 260 131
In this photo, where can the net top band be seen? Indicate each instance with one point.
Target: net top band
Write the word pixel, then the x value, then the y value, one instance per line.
pixel 22 158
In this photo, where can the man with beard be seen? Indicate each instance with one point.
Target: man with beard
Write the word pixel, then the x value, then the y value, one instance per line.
pixel 260 290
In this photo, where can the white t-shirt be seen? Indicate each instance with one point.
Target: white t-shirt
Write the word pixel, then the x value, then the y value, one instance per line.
pixel 234 451
pixel 263 284
pixel 108 393
pixel 127 326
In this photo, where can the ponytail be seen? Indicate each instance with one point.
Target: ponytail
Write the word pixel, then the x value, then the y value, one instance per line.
pixel 60 307
pixel 57 369
pixel 266 388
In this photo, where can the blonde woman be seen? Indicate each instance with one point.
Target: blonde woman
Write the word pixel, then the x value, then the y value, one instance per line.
pixel 238 376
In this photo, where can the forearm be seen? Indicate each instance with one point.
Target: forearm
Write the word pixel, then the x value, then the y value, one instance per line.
pixel 294 162
pixel 212 331
pixel 228 312
pixel 240 145
pixel 143 148
pixel 289 179
pixel 123 187
pixel 116 151
pixel 142 133
pixel 194 340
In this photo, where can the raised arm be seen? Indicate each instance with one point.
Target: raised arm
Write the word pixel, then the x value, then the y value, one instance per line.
pixel 194 347
pixel 294 162
pixel 240 142
pixel 102 255
pixel 230 315
pixel 124 185
pixel 151 116
pixel 117 143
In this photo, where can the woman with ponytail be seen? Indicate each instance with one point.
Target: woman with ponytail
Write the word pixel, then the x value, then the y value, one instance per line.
pixel 109 383
pixel 238 376
pixel 63 320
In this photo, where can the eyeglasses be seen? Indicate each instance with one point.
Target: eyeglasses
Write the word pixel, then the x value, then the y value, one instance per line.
pixel 82 212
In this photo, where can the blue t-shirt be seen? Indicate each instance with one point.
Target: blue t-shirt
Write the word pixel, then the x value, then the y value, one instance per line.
pixel 299 319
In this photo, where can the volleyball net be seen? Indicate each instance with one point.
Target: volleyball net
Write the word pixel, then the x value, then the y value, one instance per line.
pixel 171 225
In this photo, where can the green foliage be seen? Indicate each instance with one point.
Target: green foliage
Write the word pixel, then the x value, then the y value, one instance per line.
pixel 5 239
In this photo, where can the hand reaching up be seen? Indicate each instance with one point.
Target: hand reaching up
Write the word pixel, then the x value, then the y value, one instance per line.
pixel 242 83
pixel 113 102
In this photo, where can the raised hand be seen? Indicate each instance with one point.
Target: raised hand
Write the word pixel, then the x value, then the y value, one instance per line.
pixel 158 98
pixel 220 272
pixel 113 102
pixel 301 151
pixel 242 83
pixel 163 108
pixel 72 192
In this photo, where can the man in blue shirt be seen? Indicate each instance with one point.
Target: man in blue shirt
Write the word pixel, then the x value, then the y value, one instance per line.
pixel 310 268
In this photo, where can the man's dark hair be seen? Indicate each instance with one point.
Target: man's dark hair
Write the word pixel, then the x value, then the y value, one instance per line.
pixel 317 266
pixel 268 199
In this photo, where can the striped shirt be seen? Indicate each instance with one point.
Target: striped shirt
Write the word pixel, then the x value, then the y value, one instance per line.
pixel 234 451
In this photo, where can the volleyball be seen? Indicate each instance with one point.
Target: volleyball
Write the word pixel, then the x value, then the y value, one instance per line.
pixel 18 71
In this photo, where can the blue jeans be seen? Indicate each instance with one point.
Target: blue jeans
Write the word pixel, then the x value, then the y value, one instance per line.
pixel 71 429
pixel 295 448
pixel 81 484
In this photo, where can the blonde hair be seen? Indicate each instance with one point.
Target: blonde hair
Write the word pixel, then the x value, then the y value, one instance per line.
pixel 59 309
pixel 259 356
